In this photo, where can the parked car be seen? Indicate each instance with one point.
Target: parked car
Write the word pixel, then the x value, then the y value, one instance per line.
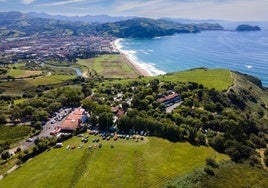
pixel 29 140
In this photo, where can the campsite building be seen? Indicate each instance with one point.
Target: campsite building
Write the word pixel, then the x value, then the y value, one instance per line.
pixel 74 120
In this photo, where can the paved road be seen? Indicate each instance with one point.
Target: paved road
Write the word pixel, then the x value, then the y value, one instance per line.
pixel 172 107
pixel 45 132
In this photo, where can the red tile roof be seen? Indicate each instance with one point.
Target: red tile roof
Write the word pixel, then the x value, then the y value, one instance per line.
pixel 169 97
pixel 73 120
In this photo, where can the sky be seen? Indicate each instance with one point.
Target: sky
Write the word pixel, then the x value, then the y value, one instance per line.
pixel 236 10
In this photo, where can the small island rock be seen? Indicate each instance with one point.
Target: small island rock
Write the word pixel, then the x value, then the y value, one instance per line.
pixel 245 27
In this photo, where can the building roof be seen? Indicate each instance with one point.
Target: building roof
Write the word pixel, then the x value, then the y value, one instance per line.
pixel 69 124
pixel 168 97
pixel 73 120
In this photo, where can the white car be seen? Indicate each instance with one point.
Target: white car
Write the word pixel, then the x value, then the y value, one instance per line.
pixel 29 140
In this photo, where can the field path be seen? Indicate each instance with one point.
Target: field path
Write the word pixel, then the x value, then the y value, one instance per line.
pixel 261 152
pixel 234 82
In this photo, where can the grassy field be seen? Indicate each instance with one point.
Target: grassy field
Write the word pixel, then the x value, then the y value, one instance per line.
pixel 220 79
pixel 53 79
pixel 109 66
pixel 16 87
pixel 147 163
pixel 18 73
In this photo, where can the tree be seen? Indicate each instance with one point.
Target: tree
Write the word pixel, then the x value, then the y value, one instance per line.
pixel 3 118
pixel 105 121
pixel 5 155
pixel 89 105
pixel 40 115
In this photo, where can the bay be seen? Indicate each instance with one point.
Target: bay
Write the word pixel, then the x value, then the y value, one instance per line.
pixel 246 52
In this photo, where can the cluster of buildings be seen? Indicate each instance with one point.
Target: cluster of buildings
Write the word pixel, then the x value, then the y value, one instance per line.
pixel 41 48
pixel 74 121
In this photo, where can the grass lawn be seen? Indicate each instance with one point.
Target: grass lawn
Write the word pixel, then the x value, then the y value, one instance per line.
pixel 53 79
pixel 128 164
pixel 18 73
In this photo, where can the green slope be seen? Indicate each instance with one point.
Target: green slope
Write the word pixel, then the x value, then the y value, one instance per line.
pixel 128 164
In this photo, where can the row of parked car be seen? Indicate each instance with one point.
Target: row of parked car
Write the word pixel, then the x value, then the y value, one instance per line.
pixel 58 116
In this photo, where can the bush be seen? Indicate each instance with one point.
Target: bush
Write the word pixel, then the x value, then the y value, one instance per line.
pixel 211 162
pixel 209 171
pixel 5 155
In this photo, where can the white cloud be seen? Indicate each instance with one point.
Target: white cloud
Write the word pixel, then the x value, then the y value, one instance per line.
pixel 61 3
pixel 217 9
pixel 27 1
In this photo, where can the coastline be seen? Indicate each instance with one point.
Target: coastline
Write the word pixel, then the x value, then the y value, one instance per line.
pixel 136 67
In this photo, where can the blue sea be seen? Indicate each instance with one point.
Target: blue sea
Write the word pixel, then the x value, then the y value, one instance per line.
pixel 246 52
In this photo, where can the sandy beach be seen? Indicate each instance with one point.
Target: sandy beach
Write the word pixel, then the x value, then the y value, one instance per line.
pixel 139 70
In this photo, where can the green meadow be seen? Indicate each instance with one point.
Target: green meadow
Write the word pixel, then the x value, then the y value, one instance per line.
pixel 47 80
pixel 18 73
pixel 146 163
pixel 220 79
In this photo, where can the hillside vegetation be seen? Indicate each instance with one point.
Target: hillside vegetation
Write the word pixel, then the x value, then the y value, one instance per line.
pixel 227 174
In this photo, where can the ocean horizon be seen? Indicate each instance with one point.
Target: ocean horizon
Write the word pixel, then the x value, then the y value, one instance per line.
pixel 246 52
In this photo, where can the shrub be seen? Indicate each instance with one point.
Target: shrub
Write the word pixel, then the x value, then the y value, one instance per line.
pixel 209 171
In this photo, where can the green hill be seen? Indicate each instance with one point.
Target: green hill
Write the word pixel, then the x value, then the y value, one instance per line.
pixel 16 24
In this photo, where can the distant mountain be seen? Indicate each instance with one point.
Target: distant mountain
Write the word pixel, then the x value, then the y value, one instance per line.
pixel 149 28
pixel 16 24
pixel 87 18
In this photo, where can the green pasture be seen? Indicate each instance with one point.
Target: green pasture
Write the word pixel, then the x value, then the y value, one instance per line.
pixel 220 79
pixel 18 73
pixel 16 87
pixel 47 80
pixel 146 163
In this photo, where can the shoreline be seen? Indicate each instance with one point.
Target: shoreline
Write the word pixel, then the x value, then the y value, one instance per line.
pixel 137 68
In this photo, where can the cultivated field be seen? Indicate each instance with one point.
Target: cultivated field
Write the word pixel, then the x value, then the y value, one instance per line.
pixel 146 163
